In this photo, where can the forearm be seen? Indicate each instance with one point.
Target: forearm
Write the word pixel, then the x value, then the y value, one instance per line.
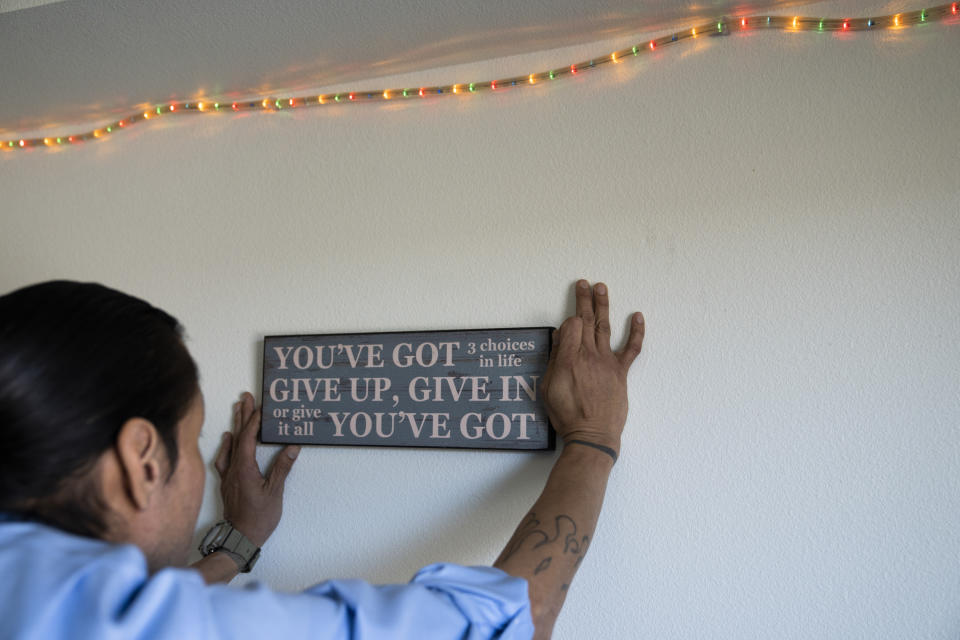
pixel 551 541
pixel 216 567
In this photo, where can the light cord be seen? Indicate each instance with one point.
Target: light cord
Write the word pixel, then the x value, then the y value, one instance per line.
pixel 723 26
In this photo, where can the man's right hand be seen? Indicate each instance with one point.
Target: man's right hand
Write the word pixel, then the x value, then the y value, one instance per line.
pixel 585 386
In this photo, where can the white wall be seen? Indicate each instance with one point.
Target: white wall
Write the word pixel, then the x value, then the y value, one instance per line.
pixel 783 208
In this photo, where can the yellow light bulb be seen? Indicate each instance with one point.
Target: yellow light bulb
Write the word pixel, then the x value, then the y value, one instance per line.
pixel 794 23
pixel 386 95
pixel 454 88
pixel 200 106
pixel 694 32
pixel 531 78
pixel 613 57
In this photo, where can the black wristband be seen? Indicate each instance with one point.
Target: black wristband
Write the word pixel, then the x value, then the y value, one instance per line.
pixel 607 450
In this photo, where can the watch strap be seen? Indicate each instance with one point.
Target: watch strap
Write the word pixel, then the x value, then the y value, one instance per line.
pixel 223 536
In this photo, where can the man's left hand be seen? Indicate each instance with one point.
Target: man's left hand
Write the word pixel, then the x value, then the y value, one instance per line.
pixel 252 502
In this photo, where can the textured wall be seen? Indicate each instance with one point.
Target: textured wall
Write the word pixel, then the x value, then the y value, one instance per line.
pixel 783 208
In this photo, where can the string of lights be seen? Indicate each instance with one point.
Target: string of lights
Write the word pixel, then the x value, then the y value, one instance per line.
pixel 723 26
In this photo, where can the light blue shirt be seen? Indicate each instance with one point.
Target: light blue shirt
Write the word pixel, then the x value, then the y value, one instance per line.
pixel 54 585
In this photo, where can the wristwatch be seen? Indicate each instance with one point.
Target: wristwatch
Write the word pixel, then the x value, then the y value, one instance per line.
pixel 223 537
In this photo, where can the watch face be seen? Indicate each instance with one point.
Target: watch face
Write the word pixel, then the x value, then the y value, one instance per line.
pixel 210 540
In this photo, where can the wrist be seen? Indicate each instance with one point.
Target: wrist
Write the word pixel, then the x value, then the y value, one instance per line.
pixel 217 567
pixel 612 454
pixel 226 565
pixel 594 436
pixel 249 529
pixel 228 540
pixel 586 454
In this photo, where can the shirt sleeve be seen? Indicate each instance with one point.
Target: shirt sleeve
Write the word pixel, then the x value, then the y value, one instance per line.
pixel 60 587
pixel 443 601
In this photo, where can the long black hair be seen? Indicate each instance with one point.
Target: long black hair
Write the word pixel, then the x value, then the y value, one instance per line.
pixel 77 360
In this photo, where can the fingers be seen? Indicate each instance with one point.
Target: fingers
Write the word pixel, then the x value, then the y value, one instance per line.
pixel 246 425
pixel 601 302
pixel 570 332
pixel 223 456
pixel 634 344
pixel 585 313
pixel 281 467
pixel 247 406
pixel 248 436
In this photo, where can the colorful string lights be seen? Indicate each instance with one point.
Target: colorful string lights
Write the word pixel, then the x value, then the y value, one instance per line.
pixel 721 27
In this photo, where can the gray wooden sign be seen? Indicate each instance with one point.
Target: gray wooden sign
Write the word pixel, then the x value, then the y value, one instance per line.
pixel 476 389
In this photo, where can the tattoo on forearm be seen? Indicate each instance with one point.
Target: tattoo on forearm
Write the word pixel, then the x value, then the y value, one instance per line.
pixel 543 566
pixel 564 527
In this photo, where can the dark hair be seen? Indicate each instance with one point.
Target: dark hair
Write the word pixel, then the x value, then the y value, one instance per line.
pixel 77 360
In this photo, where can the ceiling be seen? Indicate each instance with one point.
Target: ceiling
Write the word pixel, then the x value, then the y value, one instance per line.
pixel 75 61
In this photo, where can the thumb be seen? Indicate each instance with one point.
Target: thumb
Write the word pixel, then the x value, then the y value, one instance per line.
pixel 281 466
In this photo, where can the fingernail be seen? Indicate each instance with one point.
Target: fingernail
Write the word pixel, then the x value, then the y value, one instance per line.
pixel 293 453
pixel 601 290
pixel 583 284
pixel 638 318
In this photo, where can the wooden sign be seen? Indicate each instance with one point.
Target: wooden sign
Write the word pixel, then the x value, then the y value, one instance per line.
pixel 477 389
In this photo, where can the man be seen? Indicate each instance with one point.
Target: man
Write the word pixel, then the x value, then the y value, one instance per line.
pixel 101 481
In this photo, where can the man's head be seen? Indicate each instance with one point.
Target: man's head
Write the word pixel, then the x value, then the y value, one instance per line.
pixel 100 413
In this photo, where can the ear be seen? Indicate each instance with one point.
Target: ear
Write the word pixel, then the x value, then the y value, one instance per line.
pixel 141 463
